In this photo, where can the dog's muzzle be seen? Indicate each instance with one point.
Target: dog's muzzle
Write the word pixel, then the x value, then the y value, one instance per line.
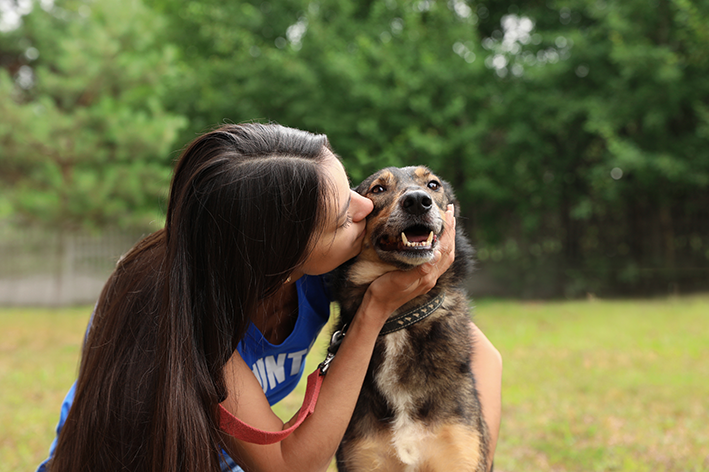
pixel 412 229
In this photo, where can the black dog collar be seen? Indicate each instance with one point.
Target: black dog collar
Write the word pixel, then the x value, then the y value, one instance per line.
pixel 412 316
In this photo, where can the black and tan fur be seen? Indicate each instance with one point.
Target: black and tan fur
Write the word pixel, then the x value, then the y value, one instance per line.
pixel 418 409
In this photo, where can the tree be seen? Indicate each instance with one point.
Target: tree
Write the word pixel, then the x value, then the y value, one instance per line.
pixel 85 139
pixel 574 130
pixel 605 129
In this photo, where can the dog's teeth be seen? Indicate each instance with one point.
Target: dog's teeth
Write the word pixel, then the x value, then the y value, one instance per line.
pixel 427 243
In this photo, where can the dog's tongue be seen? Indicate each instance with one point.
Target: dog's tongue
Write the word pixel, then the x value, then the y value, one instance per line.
pixel 416 238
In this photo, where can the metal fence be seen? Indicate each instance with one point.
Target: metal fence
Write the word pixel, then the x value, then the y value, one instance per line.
pixel 638 257
pixel 43 268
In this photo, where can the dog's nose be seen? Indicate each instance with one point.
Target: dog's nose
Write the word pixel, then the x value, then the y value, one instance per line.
pixel 417 202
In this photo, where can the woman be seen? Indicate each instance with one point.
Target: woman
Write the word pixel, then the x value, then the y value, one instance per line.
pixel 220 307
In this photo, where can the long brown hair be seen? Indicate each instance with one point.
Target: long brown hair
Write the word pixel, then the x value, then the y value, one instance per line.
pixel 245 202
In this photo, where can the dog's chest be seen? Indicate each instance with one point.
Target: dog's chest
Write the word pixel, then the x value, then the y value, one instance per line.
pixel 389 376
pixel 392 380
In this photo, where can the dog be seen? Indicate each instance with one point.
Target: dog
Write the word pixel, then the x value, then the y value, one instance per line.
pixel 418 409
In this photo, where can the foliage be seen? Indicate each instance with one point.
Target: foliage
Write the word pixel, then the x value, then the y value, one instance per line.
pixel 576 132
pixel 611 165
pixel 85 137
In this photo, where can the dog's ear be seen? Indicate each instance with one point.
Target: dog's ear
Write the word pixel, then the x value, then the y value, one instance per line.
pixel 366 183
pixel 364 186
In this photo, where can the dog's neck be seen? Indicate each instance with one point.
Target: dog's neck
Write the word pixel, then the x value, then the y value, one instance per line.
pixel 364 272
pixel 361 274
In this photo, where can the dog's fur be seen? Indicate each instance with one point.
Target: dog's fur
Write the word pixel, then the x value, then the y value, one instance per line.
pixel 418 409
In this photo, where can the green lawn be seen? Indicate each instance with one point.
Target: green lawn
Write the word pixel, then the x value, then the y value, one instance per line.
pixel 588 385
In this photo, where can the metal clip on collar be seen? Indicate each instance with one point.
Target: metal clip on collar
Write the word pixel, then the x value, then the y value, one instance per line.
pixel 335 342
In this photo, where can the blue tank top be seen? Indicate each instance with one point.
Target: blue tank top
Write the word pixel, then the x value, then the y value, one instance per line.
pixel 278 368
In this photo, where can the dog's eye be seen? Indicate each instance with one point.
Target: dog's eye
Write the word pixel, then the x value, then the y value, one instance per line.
pixel 377 189
pixel 434 185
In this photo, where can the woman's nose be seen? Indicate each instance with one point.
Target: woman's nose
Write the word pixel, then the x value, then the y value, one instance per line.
pixel 363 206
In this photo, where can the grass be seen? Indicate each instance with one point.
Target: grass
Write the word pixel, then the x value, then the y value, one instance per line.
pixel 604 385
pixel 588 385
pixel 39 350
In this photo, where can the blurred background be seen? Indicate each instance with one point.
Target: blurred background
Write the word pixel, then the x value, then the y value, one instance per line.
pixel 575 132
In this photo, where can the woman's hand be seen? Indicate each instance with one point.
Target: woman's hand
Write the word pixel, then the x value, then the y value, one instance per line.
pixel 393 289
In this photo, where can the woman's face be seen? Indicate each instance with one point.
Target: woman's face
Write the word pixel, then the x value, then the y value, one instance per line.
pixel 343 235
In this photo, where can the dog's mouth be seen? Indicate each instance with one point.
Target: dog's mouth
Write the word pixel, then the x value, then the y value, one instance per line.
pixel 413 239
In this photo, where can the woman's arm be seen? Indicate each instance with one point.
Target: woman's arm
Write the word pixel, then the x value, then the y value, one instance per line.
pixel 313 444
pixel 487 367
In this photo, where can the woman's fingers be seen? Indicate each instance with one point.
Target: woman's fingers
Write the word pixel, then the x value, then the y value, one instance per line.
pixel 447 244
pixel 444 255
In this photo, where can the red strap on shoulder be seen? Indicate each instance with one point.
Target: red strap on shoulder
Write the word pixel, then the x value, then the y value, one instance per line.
pixel 240 430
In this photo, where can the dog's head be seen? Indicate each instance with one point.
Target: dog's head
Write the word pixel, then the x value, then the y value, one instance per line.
pixel 408 216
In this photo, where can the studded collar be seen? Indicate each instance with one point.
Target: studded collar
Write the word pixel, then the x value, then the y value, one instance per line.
pixel 412 316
